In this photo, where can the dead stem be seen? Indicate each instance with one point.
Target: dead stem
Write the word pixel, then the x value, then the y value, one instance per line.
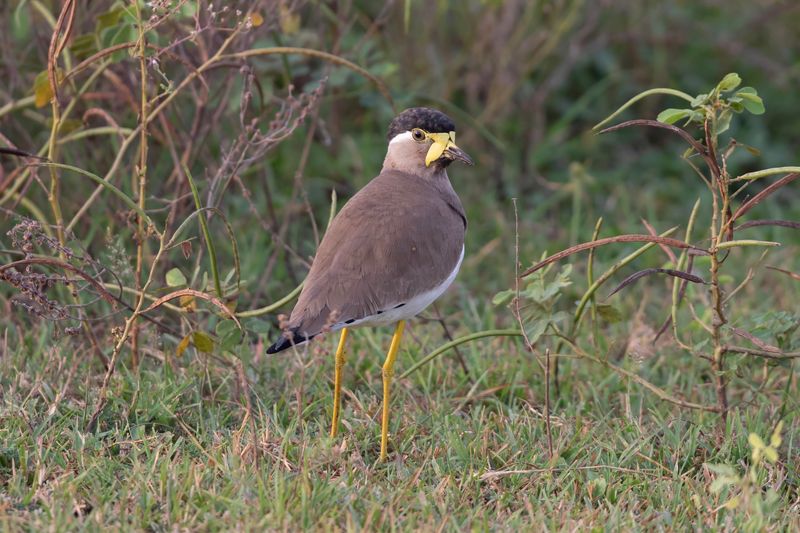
pixel 140 171
pixel 718 225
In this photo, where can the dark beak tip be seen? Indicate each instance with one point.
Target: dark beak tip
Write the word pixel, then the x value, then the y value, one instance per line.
pixel 460 155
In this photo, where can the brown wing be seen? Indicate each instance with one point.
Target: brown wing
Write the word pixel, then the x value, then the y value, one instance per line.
pixel 399 236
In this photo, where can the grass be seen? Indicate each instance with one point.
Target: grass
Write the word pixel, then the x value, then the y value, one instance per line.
pixel 175 447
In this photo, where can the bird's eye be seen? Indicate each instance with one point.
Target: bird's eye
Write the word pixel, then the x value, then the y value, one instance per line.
pixel 418 135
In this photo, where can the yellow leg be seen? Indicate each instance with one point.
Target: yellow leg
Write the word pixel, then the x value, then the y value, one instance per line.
pixel 337 382
pixel 388 372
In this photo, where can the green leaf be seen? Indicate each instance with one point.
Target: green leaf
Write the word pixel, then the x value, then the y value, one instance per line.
pixel 548 292
pixel 188 9
pixel 182 345
pixel 534 329
pixel 671 116
pixel 41 90
pixel 503 297
pixel 229 276
pixel 737 106
pixel 21 23
pixel 540 294
pixel 225 327
pixel 83 45
pixel 698 115
pixel 229 334
pixel 260 327
pixel 609 313
pixel 109 18
pixel 699 100
pixel 724 121
pixel 123 33
pixel 729 82
pixel 175 278
pixel 560 318
pixel 751 101
pixel 231 339
pixel 202 342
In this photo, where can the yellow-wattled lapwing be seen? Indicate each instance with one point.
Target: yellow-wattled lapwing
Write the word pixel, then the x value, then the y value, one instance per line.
pixel 391 251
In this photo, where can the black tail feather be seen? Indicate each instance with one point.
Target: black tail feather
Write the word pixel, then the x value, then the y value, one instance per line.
pixel 286 341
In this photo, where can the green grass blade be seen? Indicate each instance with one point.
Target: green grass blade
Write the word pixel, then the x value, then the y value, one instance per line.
pixel 212 252
pixel 643 94
pixel 461 340
pixel 106 185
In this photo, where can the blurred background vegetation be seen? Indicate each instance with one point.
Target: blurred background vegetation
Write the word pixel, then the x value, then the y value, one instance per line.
pixel 269 138
pixel 524 81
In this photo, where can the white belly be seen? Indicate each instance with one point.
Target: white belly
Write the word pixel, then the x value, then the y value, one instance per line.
pixel 410 309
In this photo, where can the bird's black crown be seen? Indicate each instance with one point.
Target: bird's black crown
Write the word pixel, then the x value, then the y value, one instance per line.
pixel 427 119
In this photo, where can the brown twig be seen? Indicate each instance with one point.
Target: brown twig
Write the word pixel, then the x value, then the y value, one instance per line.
pixel 761 353
pixel 140 175
pixel 609 240
pixel 196 294
pixel 758 198
pixel 547 403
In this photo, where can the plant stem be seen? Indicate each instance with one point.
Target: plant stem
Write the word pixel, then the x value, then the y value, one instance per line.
pixel 53 196
pixel 140 172
pixel 719 351
pixel 547 404
pixel 590 281
pixel 123 336
pixel 64 24
pixel 720 210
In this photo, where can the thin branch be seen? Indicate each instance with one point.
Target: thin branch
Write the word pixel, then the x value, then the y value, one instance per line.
pixel 675 243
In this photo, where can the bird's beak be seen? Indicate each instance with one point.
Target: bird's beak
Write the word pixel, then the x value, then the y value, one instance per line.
pixel 457 154
pixel 444 144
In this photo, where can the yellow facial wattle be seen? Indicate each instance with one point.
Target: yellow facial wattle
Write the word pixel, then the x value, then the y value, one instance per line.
pixel 441 142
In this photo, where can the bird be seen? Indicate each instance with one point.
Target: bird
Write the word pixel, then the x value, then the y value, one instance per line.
pixel 392 250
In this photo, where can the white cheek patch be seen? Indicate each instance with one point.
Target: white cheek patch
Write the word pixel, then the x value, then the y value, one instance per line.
pixel 402 137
